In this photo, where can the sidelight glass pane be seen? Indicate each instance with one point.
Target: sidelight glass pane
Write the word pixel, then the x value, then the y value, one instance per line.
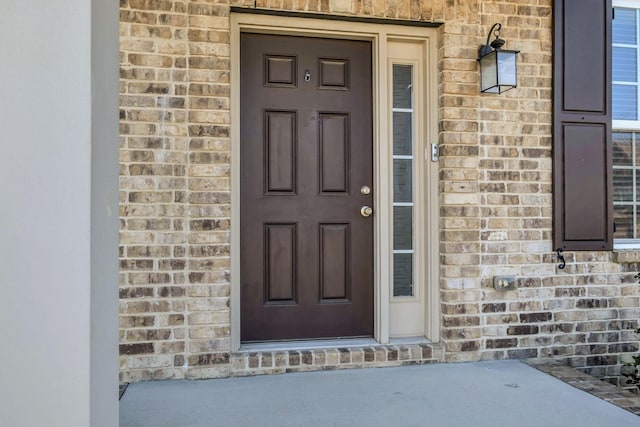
pixel 402 275
pixel 403 227
pixel 402 135
pixel 624 26
pixel 622 149
pixel 625 64
pixel 402 86
pixel 625 102
pixel 623 185
pixel 402 180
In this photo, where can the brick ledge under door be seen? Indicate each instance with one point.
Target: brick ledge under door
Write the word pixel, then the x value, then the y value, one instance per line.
pixel 246 363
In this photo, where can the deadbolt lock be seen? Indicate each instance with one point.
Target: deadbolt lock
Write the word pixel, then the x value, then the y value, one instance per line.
pixel 365 190
pixel 366 211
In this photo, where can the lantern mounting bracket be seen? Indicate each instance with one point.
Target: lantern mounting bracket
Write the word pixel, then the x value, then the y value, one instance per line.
pixel 496 44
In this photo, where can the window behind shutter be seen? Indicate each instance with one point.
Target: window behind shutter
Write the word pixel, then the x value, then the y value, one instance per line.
pixel 582 183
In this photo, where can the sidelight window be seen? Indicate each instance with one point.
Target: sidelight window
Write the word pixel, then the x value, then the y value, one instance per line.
pixel 403 166
pixel 410 198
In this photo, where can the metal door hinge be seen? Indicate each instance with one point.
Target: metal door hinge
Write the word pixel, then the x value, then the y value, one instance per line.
pixel 434 152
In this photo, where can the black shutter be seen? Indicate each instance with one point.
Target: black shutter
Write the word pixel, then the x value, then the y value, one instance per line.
pixel 582 181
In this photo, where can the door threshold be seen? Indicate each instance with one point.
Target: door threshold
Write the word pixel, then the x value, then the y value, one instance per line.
pixel 326 343
pixel 408 340
pixel 307 345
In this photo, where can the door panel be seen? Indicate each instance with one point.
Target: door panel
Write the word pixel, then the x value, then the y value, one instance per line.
pixel 280 262
pixel 306 149
pixel 281 142
pixel 334 152
pixel 334 261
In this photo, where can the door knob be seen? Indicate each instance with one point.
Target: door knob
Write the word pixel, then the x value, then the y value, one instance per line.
pixel 366 211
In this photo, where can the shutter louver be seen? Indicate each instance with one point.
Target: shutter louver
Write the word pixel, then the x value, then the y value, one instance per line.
pixel 582 182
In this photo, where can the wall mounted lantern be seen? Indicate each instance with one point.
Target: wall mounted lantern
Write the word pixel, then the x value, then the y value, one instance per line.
pixel 497 67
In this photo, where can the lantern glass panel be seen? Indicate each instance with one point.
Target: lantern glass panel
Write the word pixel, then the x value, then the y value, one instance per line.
pixel 507 69
pixel 489 73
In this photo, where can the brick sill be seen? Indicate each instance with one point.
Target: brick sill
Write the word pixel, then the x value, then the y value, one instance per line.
pixel 260 362
pixel 623 256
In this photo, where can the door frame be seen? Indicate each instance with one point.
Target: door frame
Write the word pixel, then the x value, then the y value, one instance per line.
pixel 378 35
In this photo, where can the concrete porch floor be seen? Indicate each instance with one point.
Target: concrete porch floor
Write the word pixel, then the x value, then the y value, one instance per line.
pixel 496 393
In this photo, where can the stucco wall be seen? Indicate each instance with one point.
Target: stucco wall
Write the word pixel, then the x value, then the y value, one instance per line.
pixel 495 194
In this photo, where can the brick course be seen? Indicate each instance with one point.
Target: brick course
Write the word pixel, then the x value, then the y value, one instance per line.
pixel 495 200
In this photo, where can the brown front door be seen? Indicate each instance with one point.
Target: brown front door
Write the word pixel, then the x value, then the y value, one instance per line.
pixel 306 152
